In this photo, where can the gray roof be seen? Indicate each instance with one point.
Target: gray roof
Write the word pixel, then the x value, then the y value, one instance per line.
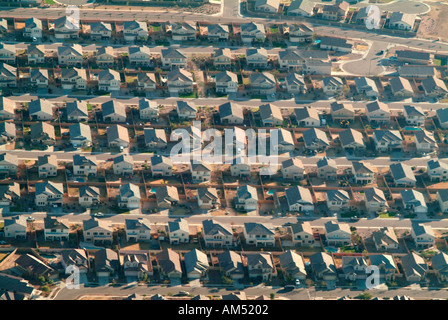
pixel 299 195
pixel 313 135
pixel 292 263
pixel 321 262
pixel 111 107
pixel 195 260
pixel 94 222
pixel 404 17
pixel 258 78
pixel 14 284
pixel 210 227
pixel 100 27
pixel 270 110
pixel 385 259
pixel 338 195
pixel 183 106
pixel 257 229
pixel 294 78
pixel 375 195
pixel 172 53
pixel 231 261
pixel 443 194
pixel 179 224
pixel 154 135
pixel 303 226
pixel 432 83
pixel 388 135
pixel 81 160
pixel 376 105
pixel 305 5
pixel 440 262
pixel 350 136
pixel 434 164
pixel 40 105
pixel 49 188
pixel 411 54
pixel 326 162
pixel 399 83
pixel 89 191
pixel 332 226
pixel 265 259
pixel 414 264
pixel 54 223
pixel 169 261
pixel 19 220
pixel 413 70
pixel 180 74
pixel 226 76
pixel 363 83
pixel 218 28
pixel 77 108
pixel 402 171
pixel 251 26
pixel 332 81
pixel 305 113
pixel 292 162
pixel 137 224
pixel 412 196
pixel 117 132
pixel 134 25
pixel 157 159
pixel 335 42
pixel 247 192
pixel 167 194
pixel 80 130
pixel 108 75
pixel 230 109
pixel 8 129
pixel 421 229
pixel 124 158
pixel 106 260
pixel 442 114
pixel 415 111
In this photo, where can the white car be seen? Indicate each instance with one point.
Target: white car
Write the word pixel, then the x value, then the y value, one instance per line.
pixel 30 219
pixel 98 214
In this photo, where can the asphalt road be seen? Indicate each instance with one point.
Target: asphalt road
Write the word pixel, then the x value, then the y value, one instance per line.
pixel 370 64
pixel 296 294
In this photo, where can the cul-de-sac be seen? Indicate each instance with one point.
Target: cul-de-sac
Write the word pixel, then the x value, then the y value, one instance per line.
pixel 223 150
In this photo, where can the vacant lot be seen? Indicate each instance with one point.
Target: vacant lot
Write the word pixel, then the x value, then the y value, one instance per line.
pixel 434 24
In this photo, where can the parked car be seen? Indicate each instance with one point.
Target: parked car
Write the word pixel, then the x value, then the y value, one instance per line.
pixel 98 214
pixel 30 219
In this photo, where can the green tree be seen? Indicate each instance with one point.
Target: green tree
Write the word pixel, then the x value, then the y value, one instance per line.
pixel 365 296
pixel 272 295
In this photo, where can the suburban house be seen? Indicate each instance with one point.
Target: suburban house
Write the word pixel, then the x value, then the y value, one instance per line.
pixel 226 82
pixel 8 53
pixel 39 77
pixel 336 44
pixel 261 265
pixel 295 83
pixel 414 115
pixel 36 53
pixel 146 81
pixel 252 32
pixel 378 112
pixel 315 139
pixel 240 167
pixel 208 198
pixel 364 172
pixel 155 138
pixel 338 233
pixel 180 80
pixel 167 197
pixel 89 196
pixel 332 86
pixel 299 199
pixel 270 115
pixel 386 264
pixel 47 166
pixel 401 87
pixel 100 30
pixel 137 230
pixel 434 87
pixel 148 109
pixel 186 110
pixel 269 6
pixel 135 263
pixel 413 57
pixel 231 264
pixel 7 132
pixel 352 140
pixel 423 235
pixel 217 32
pixel 302 234
pixel 105 57
pixel 354 268
pixel 106 263
pixel 442 116
pixel 8 164
pixel 414 267
pixel 161 166
pixel 323 266
pixel 173 58
pixel 342 111
pixel 231 113
pixel 55 230
pixel 290 60
pixel 259 234
pixel 77 111
pixel 49 193
pixel 293 265
pixel 181 31
pixel 31 266
pixel 80 135
pixel 8 75
pixel 307 117
pixel 437 170
pixel 42 133
pixel 222 58
pixel 262 83
pixel 70 56
pixel 387 140
pixel 179 231
pixel 15 227
pixel 336 12
pixel 440 266
pixel 385 239
pixel 169 264
pixel 108 80
pixel 74 78
pixel 257 58
pixel 413 71
pixel 117 136
pixel 75 257
pixel 33 28
pixel 401 21
pixel 200 172
pixel 123 164
pixel 40 109
pixel 414 201
pixel 366 87
pixel 425 141
pixel 338 200
pixel 217 234
pixel 66 27
pixel 133 30
pixel 247 198
pixel 129 196
pixel 293 169
pixel 403 175
pixel 327 169
pixel 442 198
pixel 140 56
pixel 95 230
pixel 302 8
pixel 196 264
pixel 113 111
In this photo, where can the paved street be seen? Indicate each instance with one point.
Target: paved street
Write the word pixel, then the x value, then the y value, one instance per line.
pixel 296 294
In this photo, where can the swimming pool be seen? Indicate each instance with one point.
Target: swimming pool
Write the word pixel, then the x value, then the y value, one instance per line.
pixel 331 249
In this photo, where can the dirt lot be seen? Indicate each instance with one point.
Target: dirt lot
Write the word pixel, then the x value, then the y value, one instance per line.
pixel 434 24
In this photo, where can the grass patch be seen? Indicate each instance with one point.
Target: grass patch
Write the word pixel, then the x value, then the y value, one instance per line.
pixel 50 2
pixel 188 95
pixel 387 215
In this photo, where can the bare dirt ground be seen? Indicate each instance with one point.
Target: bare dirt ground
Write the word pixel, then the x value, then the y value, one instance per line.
pixel 433 24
